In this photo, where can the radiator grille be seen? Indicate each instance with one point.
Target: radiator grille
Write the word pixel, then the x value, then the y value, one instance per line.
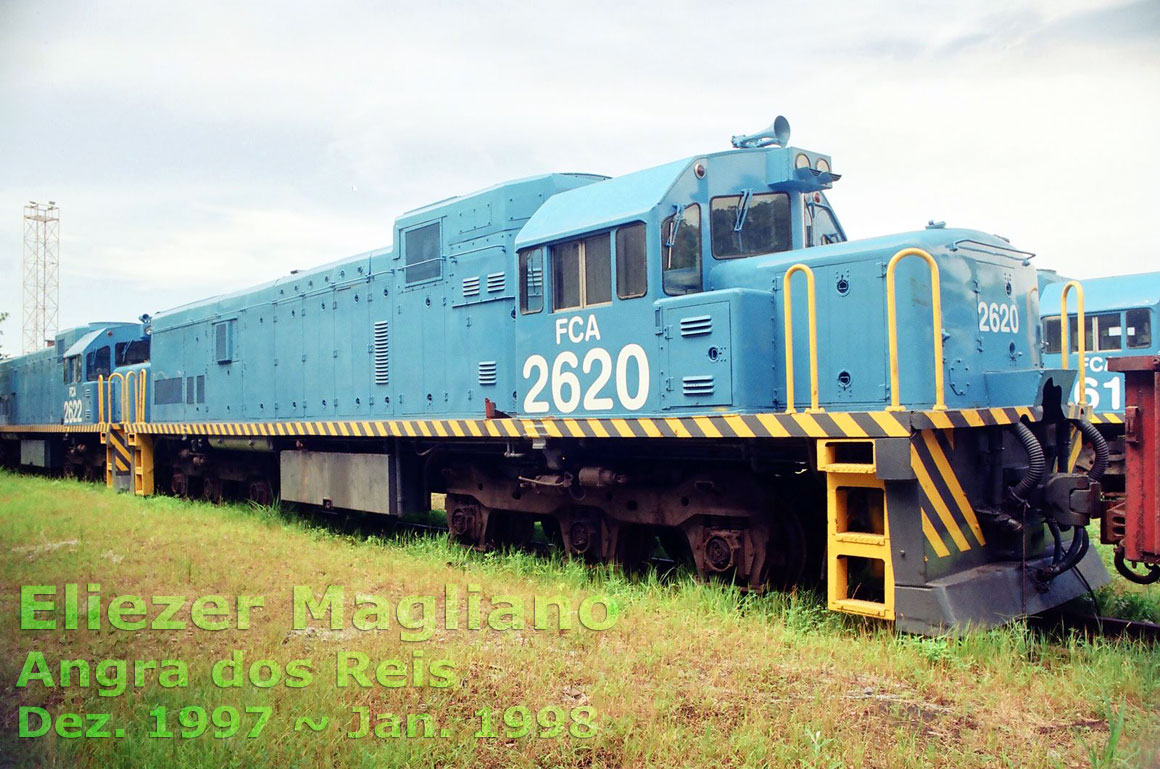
pixel 698 386
pixel 382 352
pixel 696 325
pixel 167 391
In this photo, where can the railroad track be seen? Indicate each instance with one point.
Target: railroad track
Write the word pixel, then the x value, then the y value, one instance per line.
pixel 1052 622
pixel 1094 626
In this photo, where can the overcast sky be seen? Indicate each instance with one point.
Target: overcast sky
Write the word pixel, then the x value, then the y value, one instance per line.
pixel 195 148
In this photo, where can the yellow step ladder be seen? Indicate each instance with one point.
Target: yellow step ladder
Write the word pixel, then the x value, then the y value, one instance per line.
pixel 858 531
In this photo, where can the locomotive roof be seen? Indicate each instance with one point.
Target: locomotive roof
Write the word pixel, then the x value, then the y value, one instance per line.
pixel 1115 292
pixel 603 204
pixel 418 214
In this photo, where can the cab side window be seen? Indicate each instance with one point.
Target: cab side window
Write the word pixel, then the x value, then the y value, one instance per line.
pixel 1110 336
pixel 1051 339
pixel 1139 328
pixel 681 252
pixel 631 262
pixel 821 229
pixel 98 363
pixel 531 280
pixel 582 272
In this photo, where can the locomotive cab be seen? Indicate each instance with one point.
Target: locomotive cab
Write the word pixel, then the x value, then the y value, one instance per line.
pixel 91 360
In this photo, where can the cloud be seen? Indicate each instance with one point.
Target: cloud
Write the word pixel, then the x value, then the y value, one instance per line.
pixel 196 148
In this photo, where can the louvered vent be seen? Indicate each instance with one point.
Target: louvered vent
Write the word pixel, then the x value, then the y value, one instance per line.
pixel 471 286
pixel 696 325
pixel 382 352
pixel 88 405
pixel 495 282
pixel 487 372
pixel 698 386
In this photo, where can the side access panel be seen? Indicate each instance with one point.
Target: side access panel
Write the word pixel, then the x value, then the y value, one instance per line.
pixel 699 371
pixel 363 482
pixel 39 453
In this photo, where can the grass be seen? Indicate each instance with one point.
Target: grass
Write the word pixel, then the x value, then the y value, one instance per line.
pixel 689 674
pixel 1120 598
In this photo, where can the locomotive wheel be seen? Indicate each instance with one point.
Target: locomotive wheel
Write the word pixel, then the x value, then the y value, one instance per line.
pixel 507 529
pixel 211 489
pixel 634 546
pixel 582 534
pixel 552 531
pixel 179 485
pixel 259 492
pixel 676 546
pixel 788 553
pixel 466 519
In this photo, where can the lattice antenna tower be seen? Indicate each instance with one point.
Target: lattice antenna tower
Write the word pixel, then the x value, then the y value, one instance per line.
pixel 41 274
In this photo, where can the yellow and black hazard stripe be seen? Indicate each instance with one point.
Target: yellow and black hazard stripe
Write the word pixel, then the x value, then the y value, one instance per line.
pixel 833 424
pixel 1096 418
pixel 837 424
pixel 1000 415
pixel 80 428
pixel 119 450
pixel 708 426
pixel 948 519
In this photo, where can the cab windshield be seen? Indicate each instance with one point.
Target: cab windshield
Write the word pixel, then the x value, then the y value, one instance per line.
pixel 747 224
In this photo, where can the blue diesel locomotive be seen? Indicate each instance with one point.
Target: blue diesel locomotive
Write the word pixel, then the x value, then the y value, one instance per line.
pixel 1118 315
pixel 693 355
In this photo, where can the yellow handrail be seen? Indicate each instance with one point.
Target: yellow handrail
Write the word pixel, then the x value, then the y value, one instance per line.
pixel 1081 340
pixel 141 395
pixel 936 320
pixel 811 299
pixel 100 399
pixel 109 397
pixel 129 398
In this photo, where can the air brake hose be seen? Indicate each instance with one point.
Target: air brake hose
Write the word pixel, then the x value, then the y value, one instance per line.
pixel 1057 540
pixel 1075 553
pixel 1099 445
pixel 1035 461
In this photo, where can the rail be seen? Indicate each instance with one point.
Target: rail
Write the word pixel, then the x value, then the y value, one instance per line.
pixel 811 300
pixel 936 319
pixel 1081 339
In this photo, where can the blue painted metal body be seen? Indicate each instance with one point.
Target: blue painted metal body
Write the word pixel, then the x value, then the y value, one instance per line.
pixel 387 334
pixel 355 338
pixel 435 325
pixel 1121 314
pixel 58 385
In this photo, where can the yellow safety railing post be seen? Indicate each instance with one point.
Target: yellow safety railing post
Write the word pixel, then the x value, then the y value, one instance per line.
pixel 127 398
pixel 141 399
pixel 811 301
pixel 101 400
pixel 109 397
pixel 936 320
pixel 1081 335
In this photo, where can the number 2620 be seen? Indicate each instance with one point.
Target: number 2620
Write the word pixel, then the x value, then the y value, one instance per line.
pixel 998 318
